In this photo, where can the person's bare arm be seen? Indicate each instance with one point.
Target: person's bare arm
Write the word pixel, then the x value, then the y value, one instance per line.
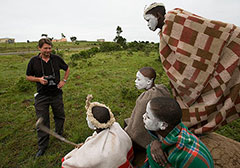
pixel 79 145
pixel 62 83
pixel 157 153
pixel 37 79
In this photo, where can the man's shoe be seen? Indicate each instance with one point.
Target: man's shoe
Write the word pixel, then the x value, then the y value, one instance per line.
pixel 40 153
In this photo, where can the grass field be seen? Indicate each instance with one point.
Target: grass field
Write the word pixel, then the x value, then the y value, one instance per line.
pixel 108 76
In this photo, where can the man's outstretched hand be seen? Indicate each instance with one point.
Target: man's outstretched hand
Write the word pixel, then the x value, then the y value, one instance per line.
pixel 79 145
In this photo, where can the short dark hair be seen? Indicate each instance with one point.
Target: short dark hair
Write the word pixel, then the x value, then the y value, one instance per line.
pixel 166 109
pixel 44 41
pixel 101 114
pixel 160 9
pixel 148 72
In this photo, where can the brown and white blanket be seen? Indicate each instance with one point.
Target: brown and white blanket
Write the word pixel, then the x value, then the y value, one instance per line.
pixel 201 59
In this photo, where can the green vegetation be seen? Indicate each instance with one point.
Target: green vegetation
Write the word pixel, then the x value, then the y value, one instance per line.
pixel 108 76
pixel 119 39
pixel 33 46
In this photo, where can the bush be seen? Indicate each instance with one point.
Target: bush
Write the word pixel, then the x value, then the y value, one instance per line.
pixel 110 46
pixel 57 52
pixel 85 53
pixel 142 46
pixel 23 85
pixel 75 57
pixel 81 54
pixel 121 41
pixel 93 51
pixel 135 46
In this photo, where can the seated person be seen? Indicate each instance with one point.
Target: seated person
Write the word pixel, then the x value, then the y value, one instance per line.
pixel 175 145
pixel 108 147
pixel 145 78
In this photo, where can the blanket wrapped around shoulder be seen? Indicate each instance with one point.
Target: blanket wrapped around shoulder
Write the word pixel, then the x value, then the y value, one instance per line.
pixel 111 148
pixel 201 59
pixel 135 126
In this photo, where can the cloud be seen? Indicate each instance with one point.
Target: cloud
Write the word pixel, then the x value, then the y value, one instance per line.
pixel 88 20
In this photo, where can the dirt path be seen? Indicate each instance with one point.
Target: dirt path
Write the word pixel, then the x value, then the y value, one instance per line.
pixel 27 52
pixel 18 52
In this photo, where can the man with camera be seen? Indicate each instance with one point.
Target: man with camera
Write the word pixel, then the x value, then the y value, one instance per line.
pixel 44 69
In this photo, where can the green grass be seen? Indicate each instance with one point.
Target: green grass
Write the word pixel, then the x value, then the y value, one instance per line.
pixel 109 77
pixel 33 46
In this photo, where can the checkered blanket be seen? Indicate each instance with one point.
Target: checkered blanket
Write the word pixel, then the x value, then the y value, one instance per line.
pixel 201 59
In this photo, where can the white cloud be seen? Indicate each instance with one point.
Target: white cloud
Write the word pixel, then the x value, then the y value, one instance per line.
pixel 91 19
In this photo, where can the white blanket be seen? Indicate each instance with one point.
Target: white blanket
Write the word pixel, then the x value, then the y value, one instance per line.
pixel 110 148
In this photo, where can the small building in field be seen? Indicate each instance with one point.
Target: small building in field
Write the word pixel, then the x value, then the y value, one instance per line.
pixel 100 40
pixel 7 40
pixel 59 40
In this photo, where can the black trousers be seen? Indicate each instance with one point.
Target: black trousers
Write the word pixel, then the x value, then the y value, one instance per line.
pixel 42 104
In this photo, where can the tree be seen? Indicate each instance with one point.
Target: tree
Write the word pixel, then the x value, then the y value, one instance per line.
pixel 119 30
pixel 73 39
pixel 45 35
pixel 63 36
pixel 119 39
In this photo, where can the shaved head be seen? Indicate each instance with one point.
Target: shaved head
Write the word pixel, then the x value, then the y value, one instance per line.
pixel 148 72
pixel 101 114
pixel 166 109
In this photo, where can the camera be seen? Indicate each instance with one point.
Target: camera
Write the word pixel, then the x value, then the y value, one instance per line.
pixel 50 80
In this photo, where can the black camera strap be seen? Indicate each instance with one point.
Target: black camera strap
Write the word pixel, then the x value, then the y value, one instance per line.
pixel 51 67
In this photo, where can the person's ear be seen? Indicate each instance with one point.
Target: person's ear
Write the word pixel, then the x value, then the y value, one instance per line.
pixel 163 125
pixel 149 81
pixel 160 16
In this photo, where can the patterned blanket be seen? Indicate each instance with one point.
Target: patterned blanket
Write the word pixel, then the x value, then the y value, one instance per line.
pixel 184 149
pixel 201 59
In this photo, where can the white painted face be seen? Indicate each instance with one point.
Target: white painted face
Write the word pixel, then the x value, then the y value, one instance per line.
pixel 152 21
pixel 152 123
pixel 142 82
pixel 90 125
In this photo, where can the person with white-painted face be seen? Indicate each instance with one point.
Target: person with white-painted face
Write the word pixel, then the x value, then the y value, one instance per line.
pixel 134 126
pixel 154 15
pixel 174 144
pixel 108 147
pixel 186 45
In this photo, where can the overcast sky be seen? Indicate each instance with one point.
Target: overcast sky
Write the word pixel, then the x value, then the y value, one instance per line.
pixel 93 19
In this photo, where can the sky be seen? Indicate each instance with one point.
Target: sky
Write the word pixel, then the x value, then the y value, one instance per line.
pixel 98 19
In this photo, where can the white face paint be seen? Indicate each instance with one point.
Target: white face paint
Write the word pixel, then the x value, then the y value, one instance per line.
pixel 152 21
pixel 90 125
pixel 142 82
pixel 150 122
